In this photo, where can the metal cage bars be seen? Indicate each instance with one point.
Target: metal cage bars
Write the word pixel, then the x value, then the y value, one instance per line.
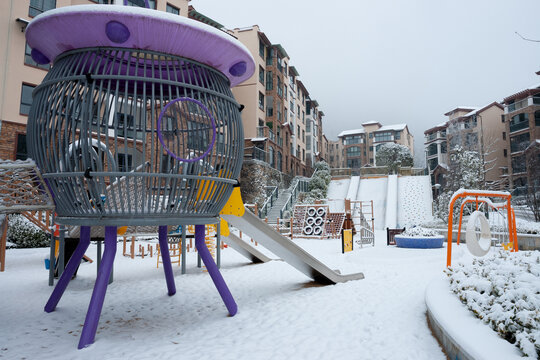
pixel 94 134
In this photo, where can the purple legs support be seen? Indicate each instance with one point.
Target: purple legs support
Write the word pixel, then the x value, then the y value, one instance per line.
pixel 70 269
pixel 214 271
pixel 100 288
pixel 164 246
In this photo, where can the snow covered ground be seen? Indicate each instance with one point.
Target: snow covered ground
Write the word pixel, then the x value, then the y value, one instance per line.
pixel 282 314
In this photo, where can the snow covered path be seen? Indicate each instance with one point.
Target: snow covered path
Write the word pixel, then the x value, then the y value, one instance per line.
pixel 282 315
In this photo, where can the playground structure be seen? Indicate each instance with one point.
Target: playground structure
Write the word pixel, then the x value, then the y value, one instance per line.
pixel 131 129
pixel 21 190
pixel 132 137
pixel 479 243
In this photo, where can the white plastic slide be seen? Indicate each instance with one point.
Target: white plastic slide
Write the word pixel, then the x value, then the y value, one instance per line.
pixel 283 247
pixel 245 249
pixel 353 188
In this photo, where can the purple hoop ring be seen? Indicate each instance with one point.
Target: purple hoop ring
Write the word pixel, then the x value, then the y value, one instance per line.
pixel 160 136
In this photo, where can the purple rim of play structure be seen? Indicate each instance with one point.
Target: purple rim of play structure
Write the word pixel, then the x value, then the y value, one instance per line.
pixel 160 136
pixel 84 26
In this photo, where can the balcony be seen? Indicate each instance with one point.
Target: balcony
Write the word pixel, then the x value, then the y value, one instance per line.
pixel 264 131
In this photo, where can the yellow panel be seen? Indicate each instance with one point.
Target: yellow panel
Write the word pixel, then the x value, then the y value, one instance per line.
pixel 235 205
pixel 224 228
pixel 347 241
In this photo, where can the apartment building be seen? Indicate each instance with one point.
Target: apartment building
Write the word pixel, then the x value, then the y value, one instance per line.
pixel 315 144
pixel 481 129
pixel 359 146
pixel 19 74
pixel 522 126
pixel 274 99
pixel 436 149
pixel 335 153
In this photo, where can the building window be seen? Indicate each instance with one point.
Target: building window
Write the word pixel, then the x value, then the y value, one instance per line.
pixel 504 135
pixel 269 80
pixel 303 155
pixel 125 162
pixel 443 148
pixel 397 135
pixel 39 6
pixel 298 129
pixel 29 61
pixel 537 118
pixel 505 153
pixel 261 101
pixel 22 152
pixel 26 99
pixel 384 136
pixel 354 151
pixel 279 87
pixel 261 75
pixel 520 142
pixel 261 48
pixel 371 135
pixel 172 9
pixel 269 56
pixel 518 164
pixel 519 122
pixel 141 3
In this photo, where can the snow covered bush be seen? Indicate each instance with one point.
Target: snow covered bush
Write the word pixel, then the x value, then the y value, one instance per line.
pixel 24 234
pixel 419 231
pixel 318 185
pixel 393 156
pixel 503 290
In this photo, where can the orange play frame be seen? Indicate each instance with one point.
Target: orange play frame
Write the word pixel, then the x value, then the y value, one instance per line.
pixel 512 232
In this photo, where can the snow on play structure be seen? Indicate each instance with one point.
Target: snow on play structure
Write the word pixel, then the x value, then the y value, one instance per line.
pixel 139 89
pixel 136 125
pixel 398 201
pixel 479 242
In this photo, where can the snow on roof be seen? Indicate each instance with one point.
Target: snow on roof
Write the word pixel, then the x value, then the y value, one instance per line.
pixel 396 127
pixel 351 132
pixel 371 123
pixel 259 139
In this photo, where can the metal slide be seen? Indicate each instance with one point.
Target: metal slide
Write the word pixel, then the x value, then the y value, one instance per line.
pixel 245 249
pixel 283 247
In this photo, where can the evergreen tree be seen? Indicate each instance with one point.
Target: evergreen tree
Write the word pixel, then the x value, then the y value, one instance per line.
pixel 393 156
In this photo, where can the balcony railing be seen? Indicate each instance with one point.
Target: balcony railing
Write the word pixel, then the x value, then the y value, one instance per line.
pixel 254 153
pixel 518 105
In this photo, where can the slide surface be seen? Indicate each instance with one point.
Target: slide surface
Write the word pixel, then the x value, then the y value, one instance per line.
pixel 245 249
pixel 287 250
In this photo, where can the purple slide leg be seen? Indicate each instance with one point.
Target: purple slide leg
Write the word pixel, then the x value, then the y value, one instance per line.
pixel 72 264
pixel 214 271
pixel 100 288
pixel 167 267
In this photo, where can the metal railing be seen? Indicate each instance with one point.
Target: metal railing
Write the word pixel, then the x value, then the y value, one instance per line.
pixel 301 185
pixel 255 153
pixel 265 208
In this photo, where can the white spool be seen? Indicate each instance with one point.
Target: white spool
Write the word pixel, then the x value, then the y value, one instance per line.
pixel 321 211
pixel 310 221
pixel 318 221
pixel 308 230
pixel 317 230
pixel 311 211
pixel 478 247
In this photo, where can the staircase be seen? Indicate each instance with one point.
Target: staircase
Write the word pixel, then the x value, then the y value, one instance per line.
pixel 275 211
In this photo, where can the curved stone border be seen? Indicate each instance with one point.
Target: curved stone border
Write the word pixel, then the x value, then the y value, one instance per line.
pixel 463 336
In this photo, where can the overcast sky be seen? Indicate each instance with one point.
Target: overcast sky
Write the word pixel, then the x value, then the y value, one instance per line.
pixel 397 61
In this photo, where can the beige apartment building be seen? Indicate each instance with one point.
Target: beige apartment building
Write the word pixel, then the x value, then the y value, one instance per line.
pixel 481 129
pixel 522 124
pixel 19 74
pixel 359 146
pixel 274 99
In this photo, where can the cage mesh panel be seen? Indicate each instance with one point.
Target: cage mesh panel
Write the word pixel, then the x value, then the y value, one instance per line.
pixel 22 188
pixel 93 131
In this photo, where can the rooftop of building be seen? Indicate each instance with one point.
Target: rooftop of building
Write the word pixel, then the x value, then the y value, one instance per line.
pixel 351 132
pixel 461 108
pixel 531 90
pixel 395 127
